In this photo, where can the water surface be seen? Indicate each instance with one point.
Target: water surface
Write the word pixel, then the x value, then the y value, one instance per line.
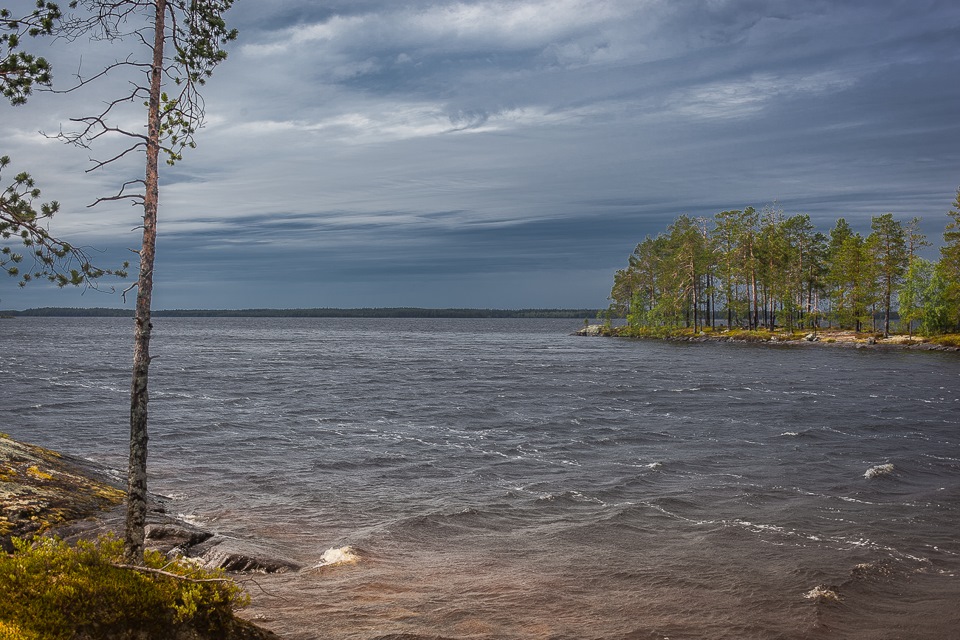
pixel 503 479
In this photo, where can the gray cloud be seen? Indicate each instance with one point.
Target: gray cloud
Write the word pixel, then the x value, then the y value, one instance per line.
pixel 512 153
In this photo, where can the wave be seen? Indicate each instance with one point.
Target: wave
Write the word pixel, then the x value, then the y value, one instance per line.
pixel 338 556
pixel 569 498
pixel 824 593
pixel 878 470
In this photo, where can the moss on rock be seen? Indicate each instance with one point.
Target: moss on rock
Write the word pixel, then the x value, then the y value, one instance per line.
pixel 53 589
pixel 41 489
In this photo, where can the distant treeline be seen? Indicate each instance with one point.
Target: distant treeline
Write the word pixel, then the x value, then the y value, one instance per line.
pixel 392 312
pixel 763 269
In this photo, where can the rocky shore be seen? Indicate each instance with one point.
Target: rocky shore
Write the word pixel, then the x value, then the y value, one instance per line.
pixel 45 493
pixel 827 338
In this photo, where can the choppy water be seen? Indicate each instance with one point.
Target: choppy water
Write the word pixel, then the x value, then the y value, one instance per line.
pixel 502 479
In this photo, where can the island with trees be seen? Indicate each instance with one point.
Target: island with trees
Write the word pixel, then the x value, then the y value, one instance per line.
pixel 765 275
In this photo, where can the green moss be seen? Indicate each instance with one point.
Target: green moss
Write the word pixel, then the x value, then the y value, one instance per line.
pixel 40 490
pixel 58 592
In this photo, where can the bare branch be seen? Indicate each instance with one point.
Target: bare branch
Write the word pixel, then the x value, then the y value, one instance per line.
pixel 120 195
pixel 168 574
pixel 249 578
pixel 83 137
pixel 82 82
pixel 107 20
pixel 97 164
pixel 123 295
pixel 137 198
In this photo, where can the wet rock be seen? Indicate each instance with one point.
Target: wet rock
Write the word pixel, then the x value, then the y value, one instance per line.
pixel 173 537
pixel 42 489
pixel 239 556
pixel 590 330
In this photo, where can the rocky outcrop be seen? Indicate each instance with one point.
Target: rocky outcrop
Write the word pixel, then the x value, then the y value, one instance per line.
pixel 45 493
pixel 595 330
pixel 41 490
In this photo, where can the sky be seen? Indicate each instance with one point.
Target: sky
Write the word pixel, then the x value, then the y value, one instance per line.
pixel 501 154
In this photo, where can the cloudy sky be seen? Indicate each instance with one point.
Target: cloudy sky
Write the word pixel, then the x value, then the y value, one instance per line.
pixel 506 153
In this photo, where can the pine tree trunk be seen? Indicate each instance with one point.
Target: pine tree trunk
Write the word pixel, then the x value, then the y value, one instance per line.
pixel 137 470
pixel 730 295
pixel 711 302
pixel 887 302
pixel 696 299
pixel 755 323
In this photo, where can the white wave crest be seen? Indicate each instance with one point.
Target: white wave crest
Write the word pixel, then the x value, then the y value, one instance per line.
pixel 193 519
pixel 823 592
pixel 337 556
pixel 879 470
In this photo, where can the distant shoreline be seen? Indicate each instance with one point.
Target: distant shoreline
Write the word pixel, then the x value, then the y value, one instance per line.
pixel 372 312
pixel 821 337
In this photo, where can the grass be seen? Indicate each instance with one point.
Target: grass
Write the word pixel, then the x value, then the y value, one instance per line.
pixel 756 335
pixel 948 340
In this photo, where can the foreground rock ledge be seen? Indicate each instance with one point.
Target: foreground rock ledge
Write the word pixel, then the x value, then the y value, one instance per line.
pixel 43 492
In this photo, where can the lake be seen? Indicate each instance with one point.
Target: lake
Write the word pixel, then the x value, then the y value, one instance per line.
pixel 503 479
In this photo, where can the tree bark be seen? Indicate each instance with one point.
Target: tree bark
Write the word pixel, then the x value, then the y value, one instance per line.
pixel 887 302
pixel 137 469
pixel 755 318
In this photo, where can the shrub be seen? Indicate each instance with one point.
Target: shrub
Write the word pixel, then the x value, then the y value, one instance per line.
pixel 949 340
pixel 57 591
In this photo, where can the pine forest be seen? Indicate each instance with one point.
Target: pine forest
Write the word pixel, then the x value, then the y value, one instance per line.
pixel 763 270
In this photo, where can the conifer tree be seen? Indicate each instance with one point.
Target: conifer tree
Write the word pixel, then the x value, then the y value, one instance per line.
pixel 912 295
pixel 727 234
pixel 23 218
pixel 839 235
pixel 774 271
pixel 888 248
pixel 948 267
pixel 168 49
pixel 938 308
